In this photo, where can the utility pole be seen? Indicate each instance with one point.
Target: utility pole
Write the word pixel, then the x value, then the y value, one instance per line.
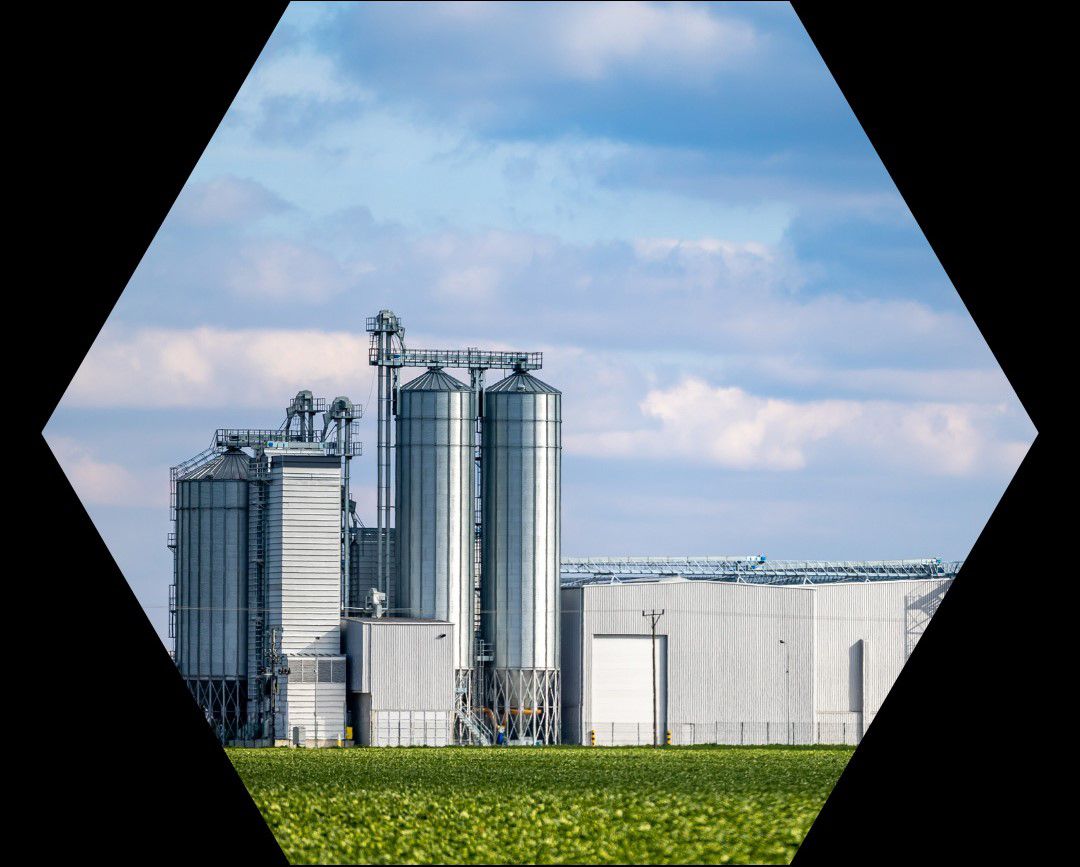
pixel 787 685
pixel 653 616
pixel 275 668
pixel 271 671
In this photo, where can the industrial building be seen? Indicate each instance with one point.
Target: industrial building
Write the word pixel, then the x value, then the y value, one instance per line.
pixel 455 619
pixel 791 655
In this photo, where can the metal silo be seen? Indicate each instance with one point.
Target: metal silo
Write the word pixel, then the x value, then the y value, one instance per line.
pixel 434 507
pixel 212 584
pixel 521 478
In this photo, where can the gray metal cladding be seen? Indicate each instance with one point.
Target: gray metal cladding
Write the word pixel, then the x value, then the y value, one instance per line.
pixel 728 674
pixel 521 473
pixel 363 566
pixel 211 569
pixel 434 504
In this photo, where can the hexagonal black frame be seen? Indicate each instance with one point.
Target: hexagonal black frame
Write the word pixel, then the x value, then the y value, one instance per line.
pixel 947 117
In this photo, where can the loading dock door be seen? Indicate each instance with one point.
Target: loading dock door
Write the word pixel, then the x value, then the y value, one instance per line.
pixel 621 706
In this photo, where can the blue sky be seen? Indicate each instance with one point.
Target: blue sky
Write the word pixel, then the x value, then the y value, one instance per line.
pixel 759 351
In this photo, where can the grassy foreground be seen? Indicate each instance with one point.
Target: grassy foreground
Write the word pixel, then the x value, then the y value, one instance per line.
pixel 555 805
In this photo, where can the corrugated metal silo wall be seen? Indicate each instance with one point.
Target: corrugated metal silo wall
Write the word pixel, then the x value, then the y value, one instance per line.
pixel 211 578
pixel 434 505
pixel 521 527
pixel 521 476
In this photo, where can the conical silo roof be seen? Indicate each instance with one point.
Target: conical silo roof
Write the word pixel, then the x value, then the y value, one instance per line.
pixel 522 381
pixel 434 379
pixel 232 465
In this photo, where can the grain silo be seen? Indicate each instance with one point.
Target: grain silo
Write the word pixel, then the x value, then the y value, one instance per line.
pixel 521 477
pixel 211 584
pixel 435 473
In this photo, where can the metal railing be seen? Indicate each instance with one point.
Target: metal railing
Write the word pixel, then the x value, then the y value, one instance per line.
pixel 456 358
pixel 476 727
pixel 579 571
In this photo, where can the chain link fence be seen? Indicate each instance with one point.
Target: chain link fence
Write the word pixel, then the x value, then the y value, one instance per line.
pixel 411 728
pixel 730 733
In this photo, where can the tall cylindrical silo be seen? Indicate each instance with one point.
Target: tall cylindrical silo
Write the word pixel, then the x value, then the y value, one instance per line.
pixel 434 507
pixel 212 584
pixel 521 477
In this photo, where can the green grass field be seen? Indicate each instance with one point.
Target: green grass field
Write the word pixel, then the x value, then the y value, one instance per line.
pixel 556 805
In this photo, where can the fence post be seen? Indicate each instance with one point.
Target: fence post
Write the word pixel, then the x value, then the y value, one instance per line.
pixel 742 735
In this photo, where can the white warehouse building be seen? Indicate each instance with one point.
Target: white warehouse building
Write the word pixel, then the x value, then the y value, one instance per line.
pixel 736 662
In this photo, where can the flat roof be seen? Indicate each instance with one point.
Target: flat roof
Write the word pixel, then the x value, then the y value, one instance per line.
pixel 399 620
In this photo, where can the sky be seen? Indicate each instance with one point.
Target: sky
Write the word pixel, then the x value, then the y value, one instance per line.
pixel 758 350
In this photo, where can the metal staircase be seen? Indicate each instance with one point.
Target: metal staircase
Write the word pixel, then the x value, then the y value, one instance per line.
pixel 476 728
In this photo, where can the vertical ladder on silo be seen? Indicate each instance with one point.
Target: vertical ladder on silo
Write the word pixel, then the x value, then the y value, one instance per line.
pixel 260 479
pixel 476 377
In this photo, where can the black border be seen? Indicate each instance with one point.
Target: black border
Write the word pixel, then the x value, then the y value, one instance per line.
pixel 959 104
pixel 114 111
pixel 123 102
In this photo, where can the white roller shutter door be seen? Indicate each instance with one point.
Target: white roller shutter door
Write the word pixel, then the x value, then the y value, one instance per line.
pixel 622 689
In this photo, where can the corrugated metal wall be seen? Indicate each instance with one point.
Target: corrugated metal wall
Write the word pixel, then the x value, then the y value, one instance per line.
pixel 404 665
pixel 304 569
pixel 302 553
pixel 401 681
pixel 314 697
pixel 865 634
pixel 725 659
pixel 753 663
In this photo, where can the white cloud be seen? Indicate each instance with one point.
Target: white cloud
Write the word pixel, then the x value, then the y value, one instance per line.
pixel 217 367
pixel 281 270
pixel 225 201
pixel 593 40
pixel 964 384
pixel 301 72
pixel 728 427
pixel 470 284
pixel 102 483
pixel 656 249
pixel 692 421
